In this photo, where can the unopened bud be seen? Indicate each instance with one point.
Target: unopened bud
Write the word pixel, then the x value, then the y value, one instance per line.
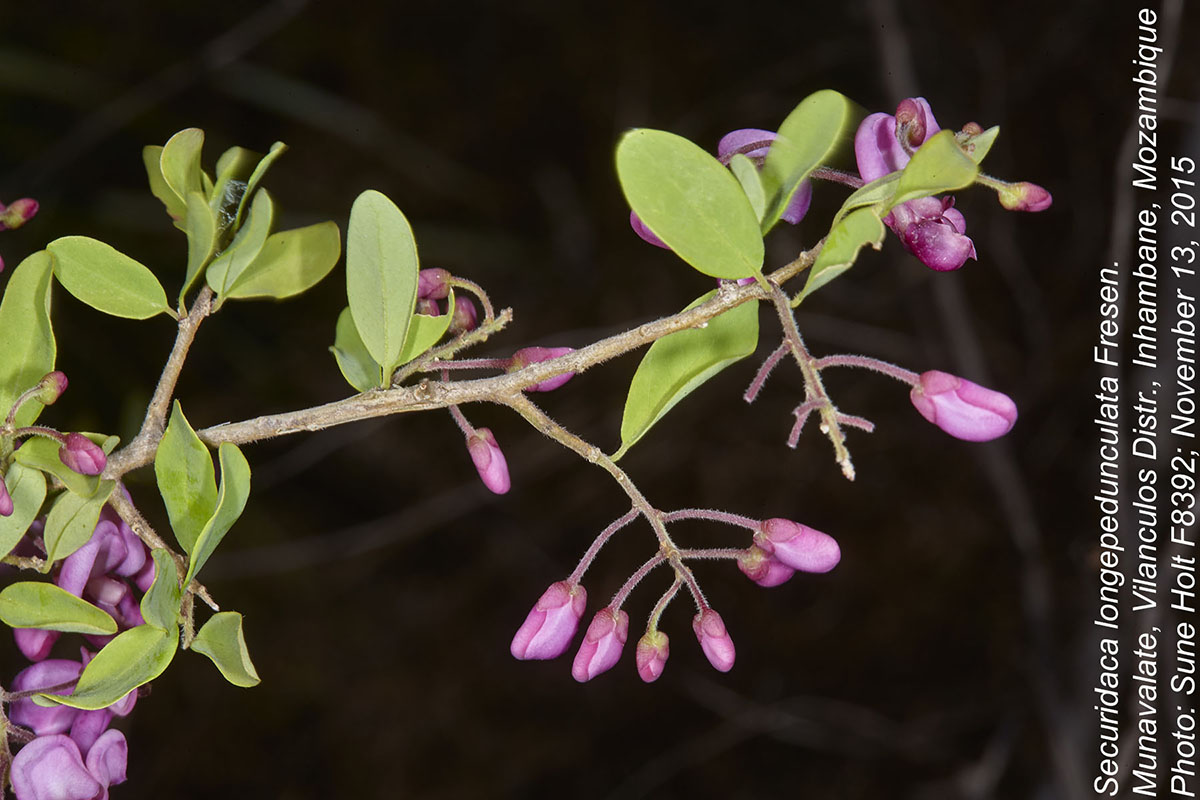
pixel 764 569
pixel 536 355
pixel 963 409
pixel 489 460
pixel 433 284
pixel 714 639
pixel 651 655
pixel 17 213
pixel 551 624
pixel 465 316
pixel 6 501
pixel 798 546
pixel 429 308
pixel 602 644
pixel 82 455
pixel 50 388
pixel 1025 196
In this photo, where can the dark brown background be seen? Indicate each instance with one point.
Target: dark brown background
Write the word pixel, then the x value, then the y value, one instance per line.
pixel 948 656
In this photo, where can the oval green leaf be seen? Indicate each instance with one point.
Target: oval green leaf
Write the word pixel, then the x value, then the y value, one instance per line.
pixel 357 367
pixel 135 657
pixel 35 604
pixel 106 279
pixel 71 521
pixel 222 641
pixel 938 166
pixel 226 268
pixel 160 605
pixel 841 248
pixel 176 207
pixel 691 202
pixel 231 499
pixel 201 228
pixel 878 192
pixel 42 454
pixel 381 276
pixel 28 349
pixel 256 176
pixel 27 488
pixel 678 364
pixel 424 331
pixel 186 479
pixel 290 262
pixel 180 161
pixel 747 175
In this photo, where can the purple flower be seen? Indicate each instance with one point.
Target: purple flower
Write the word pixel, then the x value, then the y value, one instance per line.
pixel 929 227
pixel 464 318
pixel 53 768
pixel 714 639
pixel 551 624
pixel 963 409
pixel 82 455
pixel 798 546
pixel 763 568
pixel 6 501
pixel 43 675
pixel 602 644
pixel 536 355
pixel 433 284
pixel 648 235
pixel 651 655
pixel 489 460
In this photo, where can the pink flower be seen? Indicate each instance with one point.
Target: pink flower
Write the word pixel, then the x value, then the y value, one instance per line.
pixel 551 624
pixel 464 318
pixel 798 546
pixel 6 501
pixel 651 655
pixel 714 639
pixel 602 644
pixel 433 284
pixel 763 568
pixel 82 455
pixel 489 460
pixel 536 355
pixel 963 409
pixel 53 768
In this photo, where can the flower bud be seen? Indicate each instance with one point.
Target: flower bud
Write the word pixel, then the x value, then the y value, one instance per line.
pixel 6 501
pixel 465 317
pixel 429 308
pixel 50 388
pixel 602 644
pixel 764 569
pixel 798 546
pixel 647 235
pixel 51 768
pixel 433 284
pixel 1025 196
pixel 963 409
pixel 17 213
pixel 714 639
pixel 489 460
pixel 82 455
pixel 651 655
pixel 536 355
pixel 551 624
pixel 910 121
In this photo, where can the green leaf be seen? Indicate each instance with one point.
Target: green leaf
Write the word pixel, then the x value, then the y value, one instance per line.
pixel 358 368
pixel 381 276
pixel 34 604
pixel 424 331
pixel 160 605
pixel 221 640
pixel 977 147
pixel 231 499
pixel 809 136
pixel 71 521
pixel 234 168
pixel 135 657
pixel 225 269
pixel 42 454
pixel 180 161
pixel 107 279
pixel 747 175
pixel 677 364
pixel 277 149
pixel 290 262
pixel 186 479
pixel 27 487
pixel 28 349
pixel 876 193
pixel 691 202
pixel 176 208
pixel 201 229
pixel 938 166
pixel 841 247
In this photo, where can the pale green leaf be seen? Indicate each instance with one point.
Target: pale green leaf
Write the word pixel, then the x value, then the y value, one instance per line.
pixel 841 247
pixel 27 487
pixel 180 161
pixel 222 641
pixel 186 479
pixel 36 604
pixel 290 262
pixel 424 331
pixel 133 658
pixel 28 349
pixel 231 499
pixel 160 605
pixel 977 147
pixel 176 207
pixel 226 268
pixel 71 521
pixel 106 279
pixel 357 367
pixel 202 239
pixel 938 166
pixel 41 453
pixel 256 176
pixel 748 176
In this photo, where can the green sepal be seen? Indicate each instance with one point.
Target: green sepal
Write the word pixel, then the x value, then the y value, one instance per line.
pixel 28 349
pixel 37 604
pixel 681 362
pixel 106 279
pixel 290 262
pixel 131 659
pixel 72 520
pixel 160 604
pixel 222 641
pixel 27 488
pixel 231 500
pixel 186 479
pixel 356 365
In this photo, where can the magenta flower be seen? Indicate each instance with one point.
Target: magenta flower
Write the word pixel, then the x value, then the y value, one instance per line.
pixel 433 284
pixel 464 316
pixel 763 568
pixel 798 546
pixel 43 675
pixel 53 768
pixel 602 644
pixel 651 655
pixel 963 409
pixel 6 501
pixel 929 228
pixel 714 639
pixel 551 624
pixel 82 455
pixel 536 355
pixel 489 460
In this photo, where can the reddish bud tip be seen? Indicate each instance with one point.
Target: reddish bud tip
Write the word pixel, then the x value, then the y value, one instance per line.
pixel 489 460
pixel 551 624
pixel 651 655
pixel 17 213
pixel 714 639
pixel 50 388
pixel 82 455
pixel 963 409
pixel 1025 196
pixel 602 644
pixel 433 284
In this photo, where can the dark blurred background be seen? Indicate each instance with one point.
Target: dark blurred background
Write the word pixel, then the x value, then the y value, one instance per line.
pixel 949 654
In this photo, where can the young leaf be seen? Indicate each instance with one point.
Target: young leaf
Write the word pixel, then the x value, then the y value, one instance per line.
pixel 176 207
pixel 747 175
pixel 107 279
pixel 202 238
pixel 160 605
pixel 808 137
pixel 677 364
pixel 841 247
pixel 231 499
pixel 27 487
pixel 978 147
pixel 221 640
pixel 35 604
pixel 180 161
pixel 234 168
pixel 28 349
pixel 424 331
pixel 260 169
pixel 42 454
pixel 381 276
pixel 290 262
pixel 71 521
pixel 876 193
pixel 357 367
pixel 135 657
pixel 691 202
pixel 245 247
pixel 938 166
pixel 186 479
